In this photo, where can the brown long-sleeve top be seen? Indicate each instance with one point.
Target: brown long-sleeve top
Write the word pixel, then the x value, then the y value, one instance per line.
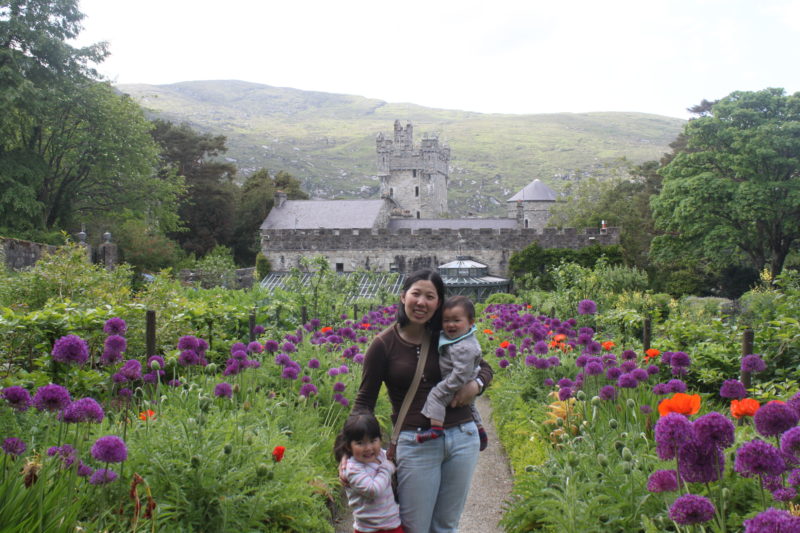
pixel 392 360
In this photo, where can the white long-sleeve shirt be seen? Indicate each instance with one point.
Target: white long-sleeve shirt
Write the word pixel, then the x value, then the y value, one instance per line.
pixel 370 494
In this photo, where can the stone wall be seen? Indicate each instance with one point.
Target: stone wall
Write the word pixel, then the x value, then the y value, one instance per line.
pixel 405 250
pixel 18 254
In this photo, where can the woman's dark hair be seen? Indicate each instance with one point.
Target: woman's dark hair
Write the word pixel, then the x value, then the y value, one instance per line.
pixel 357 427
pixel 463 302
pixel 426 274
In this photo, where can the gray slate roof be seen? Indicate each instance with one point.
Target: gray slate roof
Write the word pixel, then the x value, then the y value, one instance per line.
pixel 452 223
pixel 535 191
pixel 325 214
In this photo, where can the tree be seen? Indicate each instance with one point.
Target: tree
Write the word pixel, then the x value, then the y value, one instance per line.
pixel 733 194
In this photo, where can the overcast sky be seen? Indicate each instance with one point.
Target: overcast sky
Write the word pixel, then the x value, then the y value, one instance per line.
pixel 491 56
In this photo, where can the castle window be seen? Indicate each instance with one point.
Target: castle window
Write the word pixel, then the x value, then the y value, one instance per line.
pixel 416 191
pixel 392 267
pixel 413 173
pixel 340 267
pixel 526 222
pixel 391 192
pixel 417 214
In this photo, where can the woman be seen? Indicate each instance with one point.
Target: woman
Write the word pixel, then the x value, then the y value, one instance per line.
pixel 433 476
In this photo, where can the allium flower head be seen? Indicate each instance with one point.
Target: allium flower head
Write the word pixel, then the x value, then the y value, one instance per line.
pixel 772 521
pixel 271 346
pixel 110 449
pixel 102 476
pixel 503 363
pixel 628 355
pixel 679 359
pixel 671 432
pixel 71 349
pixel 255 347
pixel 83 410
pixel 691 509
pixel 784 494
pixel 587 307
pixel 14 446
pixel 115 326
pixel 258 330
pixel 758 458
pixel 733 389
pixel 714 429
pixel 627 381
pixel 155 359
pixel 308 389
pixel 790 442
pixel 115 344
pixel 51 398
pixel 608 392
pixel 700 463
pixel 774 418
pixel 132 369
pixel 753 363
pixel 613 373
pixel 84 470
pixel 676 385
pixel 223 390
pixel 564 394
pixel 188 358
pixel 17 397
pixel 187 342
pixel 662 481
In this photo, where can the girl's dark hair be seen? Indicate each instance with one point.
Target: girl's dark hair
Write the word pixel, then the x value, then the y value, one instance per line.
pixel 426 274
pixel 357 427
pixel 463 302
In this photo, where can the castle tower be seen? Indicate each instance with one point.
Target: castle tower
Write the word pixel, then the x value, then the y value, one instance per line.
pixel 531 205
pixel 415 178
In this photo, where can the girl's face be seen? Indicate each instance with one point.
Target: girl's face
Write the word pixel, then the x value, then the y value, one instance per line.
pixel 366 449
pixel 420 301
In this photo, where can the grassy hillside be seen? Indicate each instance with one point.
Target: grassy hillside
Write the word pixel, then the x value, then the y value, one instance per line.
pixel 328 140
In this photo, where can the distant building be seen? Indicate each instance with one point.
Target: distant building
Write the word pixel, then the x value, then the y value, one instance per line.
pixel 403 230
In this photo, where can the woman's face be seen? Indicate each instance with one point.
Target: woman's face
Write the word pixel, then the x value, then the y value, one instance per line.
pixel 420 301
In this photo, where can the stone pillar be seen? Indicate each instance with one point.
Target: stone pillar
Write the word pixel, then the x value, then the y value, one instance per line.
pixel 107 253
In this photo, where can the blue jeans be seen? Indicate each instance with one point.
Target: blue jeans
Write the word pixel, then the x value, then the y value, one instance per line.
pixel 433 478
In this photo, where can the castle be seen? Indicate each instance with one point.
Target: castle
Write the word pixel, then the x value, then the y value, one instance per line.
pixel 405 229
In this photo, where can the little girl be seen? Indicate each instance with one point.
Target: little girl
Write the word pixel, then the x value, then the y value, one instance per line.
pixel 369 476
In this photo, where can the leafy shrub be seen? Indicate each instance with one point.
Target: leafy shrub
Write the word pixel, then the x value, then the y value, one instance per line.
pixel 263 266
pixel 502 298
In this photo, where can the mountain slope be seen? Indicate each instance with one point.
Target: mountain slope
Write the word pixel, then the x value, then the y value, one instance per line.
pixel 328 140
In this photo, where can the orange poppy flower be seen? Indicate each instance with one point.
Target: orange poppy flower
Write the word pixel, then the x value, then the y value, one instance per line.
pixel 529 306
pixel 685 404
pixel 651 352
pixel 365 325
pixel 744 407
pixel 145 415
pixel 560 337
pixel 504 344
pixel 326 329
pixel 492 316
pixel 608 345
pixel 488 332
pixel 277 453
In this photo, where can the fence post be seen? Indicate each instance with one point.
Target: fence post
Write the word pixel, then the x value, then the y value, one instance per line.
pixel 150 332
pixel 304 314
pixel 747 348
pixel 647 328
pixel 355 312
pixel 252 325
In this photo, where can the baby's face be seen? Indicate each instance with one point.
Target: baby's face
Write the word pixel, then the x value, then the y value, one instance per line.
pixel 455 322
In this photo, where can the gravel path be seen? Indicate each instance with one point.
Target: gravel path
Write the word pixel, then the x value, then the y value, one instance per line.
pixel 491 485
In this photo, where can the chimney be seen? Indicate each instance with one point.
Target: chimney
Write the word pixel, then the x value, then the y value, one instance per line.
pixel 280 199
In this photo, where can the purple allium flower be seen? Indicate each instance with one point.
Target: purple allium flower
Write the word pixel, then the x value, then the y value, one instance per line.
pixel 753 363
pixel 627 381
pixel 14 446
pixel 784 494
pixel 232 367
pixel 290 372
pixel 282 359
pixel 308 389
pixel 593 368
pixel 110 358
pixel 238 347
pixel 289 347
pixel 102 476
pixel 110 449
pixel 332 372
pixel 587 307
pixel 174 383
pixel 593 347
pixel 628 355
pixel 223 390
pixel 188 358
pixel 115 344
pixel 84 470
pixel 240 355
pixel 66 453
pixel 583 338
pixel 499 352
pixel 554 360
pixel 338 386
pixel 794 478
pixel 358 358
pixel 772 521
pixel 758 458
pixel 676 385
pixel 714 429
pixel 115 326
pixel 258 330
pixel 627 366
pixel 503 363
pixel 51 398
pixel 774 418
pixel 691 509
pixel 17 397
pixel 271 346
pixel 645 409
pixel 306 379
pixel 613 373
pixel 640 374
pixel 71 349
pixel 790 442
pixel 548 382
pixel 155 359
pixel 652 370
pixel 662 481
pixel 344 369
pixel 671 432
pixel 700 463
pixel 83 410
pixel 255 347
pixel 152 377
pixel 771 483
pixel 680 359
pixel 132 369
pixel 202 346
pixel 581 360
pixel 540 348
pixel 541 364
pixel 659 389
pixel 565 382
pixel 125 392
pixel 794 402
pixel 564 393
pixel 188 342
pixel 732 389
pixel 608 392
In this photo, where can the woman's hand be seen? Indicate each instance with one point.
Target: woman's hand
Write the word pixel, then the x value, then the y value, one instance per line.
pixel 466 394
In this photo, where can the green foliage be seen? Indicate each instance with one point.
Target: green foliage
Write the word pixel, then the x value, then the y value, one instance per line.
pixel 146 249
pixel 216 268
pixel 502 298
pixel 533 265
pixel 263 267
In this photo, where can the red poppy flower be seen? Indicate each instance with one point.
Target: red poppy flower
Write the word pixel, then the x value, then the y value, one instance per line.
pixel 365 325
pixel 488 332
pixel 685 404
pixel 560 337
pixel 744 407
pixel 651 352
pixel 148 414
pixel 277 453
pixel 504 344
pixel 326 329
pixel 608 345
